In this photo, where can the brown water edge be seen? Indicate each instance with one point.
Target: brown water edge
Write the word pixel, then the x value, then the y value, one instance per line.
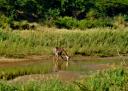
pixel 23 61
pixel 84 63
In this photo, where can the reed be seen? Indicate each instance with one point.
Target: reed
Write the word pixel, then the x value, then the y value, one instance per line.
pixel 95 42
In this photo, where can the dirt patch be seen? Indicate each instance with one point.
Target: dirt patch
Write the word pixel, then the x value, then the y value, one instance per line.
pixel 61 75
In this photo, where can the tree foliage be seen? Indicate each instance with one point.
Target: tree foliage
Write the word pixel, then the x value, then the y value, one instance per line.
pixel 42 10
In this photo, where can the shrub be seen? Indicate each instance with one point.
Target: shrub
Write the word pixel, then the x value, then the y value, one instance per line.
pixel 91 23
pixel 23 25
pixel 4 21
pixel 66 22
pixel 119 22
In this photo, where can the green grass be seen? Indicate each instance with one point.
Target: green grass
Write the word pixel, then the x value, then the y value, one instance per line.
pixel 97 42
pixel 49 85
pixel 114 79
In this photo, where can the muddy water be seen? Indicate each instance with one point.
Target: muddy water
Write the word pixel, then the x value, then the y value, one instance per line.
pixel 89 65
pixel 81 64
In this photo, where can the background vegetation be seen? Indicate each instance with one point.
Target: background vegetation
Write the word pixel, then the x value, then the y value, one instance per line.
pixel 64 13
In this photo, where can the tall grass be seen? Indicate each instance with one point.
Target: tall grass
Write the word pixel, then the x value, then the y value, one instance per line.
pixel 115 79
pixel 97 42
pixel 49 85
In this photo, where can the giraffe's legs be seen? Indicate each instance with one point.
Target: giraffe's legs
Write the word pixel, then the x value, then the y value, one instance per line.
pixel 58 62
pixel 57 65
pixel 67 64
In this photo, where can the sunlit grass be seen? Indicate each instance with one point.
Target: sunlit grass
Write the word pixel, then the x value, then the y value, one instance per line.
pixel 94 42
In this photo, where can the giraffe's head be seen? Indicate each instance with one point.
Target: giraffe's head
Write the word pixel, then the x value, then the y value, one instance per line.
pixel 67 58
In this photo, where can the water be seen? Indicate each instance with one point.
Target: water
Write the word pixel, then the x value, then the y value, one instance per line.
pixel 88 65
pixel 78 64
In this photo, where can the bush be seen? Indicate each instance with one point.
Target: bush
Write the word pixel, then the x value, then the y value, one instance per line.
pixel 66 22
pixel 22 25
pixel 119 21
pixel 91 23
pixel 4 21
pixel 69 22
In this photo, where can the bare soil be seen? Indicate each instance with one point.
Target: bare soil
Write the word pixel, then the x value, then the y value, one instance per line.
pixel 61 75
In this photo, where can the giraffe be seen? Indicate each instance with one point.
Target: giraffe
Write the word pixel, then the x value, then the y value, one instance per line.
pixel 60 53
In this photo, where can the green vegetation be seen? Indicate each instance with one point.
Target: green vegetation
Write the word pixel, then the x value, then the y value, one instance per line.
pixel 107 80
pixel 54 13
pixel 96 42
pixel 115 79
pixel 72 23
pixel 48 85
